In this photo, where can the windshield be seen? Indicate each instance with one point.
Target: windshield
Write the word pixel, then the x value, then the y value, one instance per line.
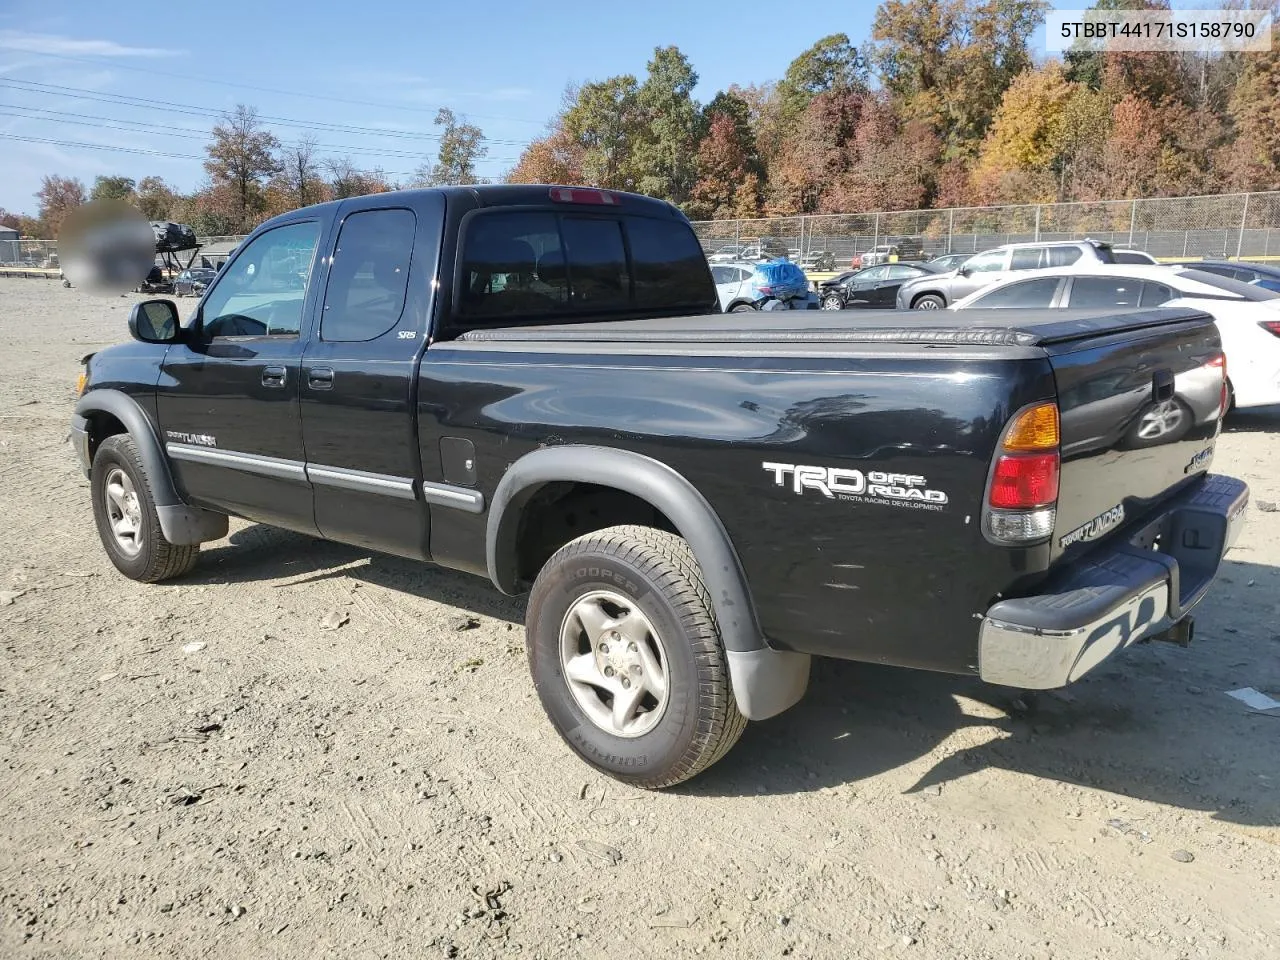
pixel 1237 288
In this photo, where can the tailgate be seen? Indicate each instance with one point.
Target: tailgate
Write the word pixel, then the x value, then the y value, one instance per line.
pixel 1140 410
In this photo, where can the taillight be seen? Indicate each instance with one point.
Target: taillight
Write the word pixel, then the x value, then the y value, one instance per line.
pixel 584 195
pixel 1022 495
pixel 1025 481
pixel 765 291
pixel 1271 326
pixel 1224 398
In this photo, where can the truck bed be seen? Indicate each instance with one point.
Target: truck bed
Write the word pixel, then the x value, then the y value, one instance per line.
pixel 1027 328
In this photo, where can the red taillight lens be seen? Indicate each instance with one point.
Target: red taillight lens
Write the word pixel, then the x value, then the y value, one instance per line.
pixel 1025 481
pixel 765 291
pixel 583 195
pixel 1271 326
pixel 1220 362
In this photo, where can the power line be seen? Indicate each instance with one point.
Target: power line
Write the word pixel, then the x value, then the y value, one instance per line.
pixel 158 130
pixel 80 93
pixel 155 153
pixel 287 93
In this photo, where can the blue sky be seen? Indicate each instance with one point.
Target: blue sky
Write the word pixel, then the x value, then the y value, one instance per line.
pixel 381 67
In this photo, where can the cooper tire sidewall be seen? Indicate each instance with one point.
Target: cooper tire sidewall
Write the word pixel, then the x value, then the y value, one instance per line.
pixel 106 458
pixel 640 757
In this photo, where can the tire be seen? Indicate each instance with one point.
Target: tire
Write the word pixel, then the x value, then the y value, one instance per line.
pixel 930 301
pixel 742 308
pixel 832 303
pixel 613 575
pixel 121 499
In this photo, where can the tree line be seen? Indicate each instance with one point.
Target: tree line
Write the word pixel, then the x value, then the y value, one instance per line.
pixel 944 105
pixel 251 177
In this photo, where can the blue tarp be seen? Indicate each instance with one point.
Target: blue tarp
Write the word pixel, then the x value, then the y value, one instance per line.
pixel 782 278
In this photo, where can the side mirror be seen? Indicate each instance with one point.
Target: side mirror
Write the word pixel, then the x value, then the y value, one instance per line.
pixel 965 271
pixel 154 321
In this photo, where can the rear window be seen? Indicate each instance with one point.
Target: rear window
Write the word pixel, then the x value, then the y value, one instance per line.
pixel 1066 256
pixel 1236 288
pixel 529 264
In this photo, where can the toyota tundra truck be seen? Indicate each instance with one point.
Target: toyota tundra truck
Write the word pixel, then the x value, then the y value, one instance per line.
pixel 533 384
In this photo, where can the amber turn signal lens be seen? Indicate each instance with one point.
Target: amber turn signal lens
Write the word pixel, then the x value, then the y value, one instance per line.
pixel 1034 429
pixel 81 381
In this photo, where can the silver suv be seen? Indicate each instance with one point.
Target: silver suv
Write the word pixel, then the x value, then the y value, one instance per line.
pixel 940 290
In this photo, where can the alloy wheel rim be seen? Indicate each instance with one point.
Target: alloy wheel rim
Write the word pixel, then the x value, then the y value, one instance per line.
pixel 614 663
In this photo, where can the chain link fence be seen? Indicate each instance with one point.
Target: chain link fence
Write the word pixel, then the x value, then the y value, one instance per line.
pixel 29 254
pixel 1245 225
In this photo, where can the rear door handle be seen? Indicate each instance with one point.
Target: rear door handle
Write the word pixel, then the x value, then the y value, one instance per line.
pixel 320 378
pixel 274 376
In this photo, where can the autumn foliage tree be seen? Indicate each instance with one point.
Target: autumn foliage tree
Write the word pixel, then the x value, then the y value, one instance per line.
pixel 242 156
pixel 57 197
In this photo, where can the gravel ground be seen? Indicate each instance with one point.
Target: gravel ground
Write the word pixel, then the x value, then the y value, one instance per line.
pixel 201 769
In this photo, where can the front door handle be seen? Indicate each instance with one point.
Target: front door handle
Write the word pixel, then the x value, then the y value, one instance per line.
pixel 320 378
pixel 273 376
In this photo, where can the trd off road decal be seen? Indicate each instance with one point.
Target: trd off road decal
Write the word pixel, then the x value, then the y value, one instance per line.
pixel 871 486
pixel 1095 527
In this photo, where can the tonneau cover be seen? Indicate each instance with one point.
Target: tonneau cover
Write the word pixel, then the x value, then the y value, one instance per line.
pixel 976 327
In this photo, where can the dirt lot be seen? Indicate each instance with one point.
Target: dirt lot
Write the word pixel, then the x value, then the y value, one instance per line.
pixel 202 770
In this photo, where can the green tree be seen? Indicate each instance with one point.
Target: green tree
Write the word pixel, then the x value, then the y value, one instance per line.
pixel 57 197
pixel 668 127
pixel 604 120
pixel 461 145
pixel 947 63
pixel 242 156
pixel 113 188
pixel 833 63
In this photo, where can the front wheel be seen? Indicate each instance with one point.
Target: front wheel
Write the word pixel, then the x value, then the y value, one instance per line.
pixel 125 513
pixel 832 303
pixel 742 308
pixel 930 301
pixel 627 659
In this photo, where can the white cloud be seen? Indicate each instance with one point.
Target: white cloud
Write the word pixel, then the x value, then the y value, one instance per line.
pixel 56 45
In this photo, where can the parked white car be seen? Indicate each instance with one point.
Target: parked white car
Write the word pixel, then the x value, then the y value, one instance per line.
pixel 733 283
pixel 1247 316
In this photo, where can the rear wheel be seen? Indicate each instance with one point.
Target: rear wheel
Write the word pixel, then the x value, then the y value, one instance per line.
pixel 125 513
pixel 930 301
pixel 627 659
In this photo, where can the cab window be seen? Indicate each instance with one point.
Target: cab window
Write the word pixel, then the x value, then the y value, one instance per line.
pixel 261 292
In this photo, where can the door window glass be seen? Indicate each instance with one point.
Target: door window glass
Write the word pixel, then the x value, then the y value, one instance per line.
pixel 1063 256
pixel 1028 294
pixel 1104 292
pixel 1027 258
pixel 261 292
pixel 986 262
pixel 365 295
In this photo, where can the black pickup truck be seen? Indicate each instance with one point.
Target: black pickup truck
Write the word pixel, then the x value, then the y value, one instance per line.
pixel 531 384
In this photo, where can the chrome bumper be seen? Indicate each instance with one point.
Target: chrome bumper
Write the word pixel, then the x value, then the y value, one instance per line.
pixel 1115 596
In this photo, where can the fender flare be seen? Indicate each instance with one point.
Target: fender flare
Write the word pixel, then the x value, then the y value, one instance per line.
pixel 180 522
pixel 765 681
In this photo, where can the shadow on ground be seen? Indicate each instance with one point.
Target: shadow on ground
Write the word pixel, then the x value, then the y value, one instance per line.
pixel 1141 726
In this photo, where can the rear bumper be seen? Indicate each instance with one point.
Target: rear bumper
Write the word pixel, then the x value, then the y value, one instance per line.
pixel 1116 595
